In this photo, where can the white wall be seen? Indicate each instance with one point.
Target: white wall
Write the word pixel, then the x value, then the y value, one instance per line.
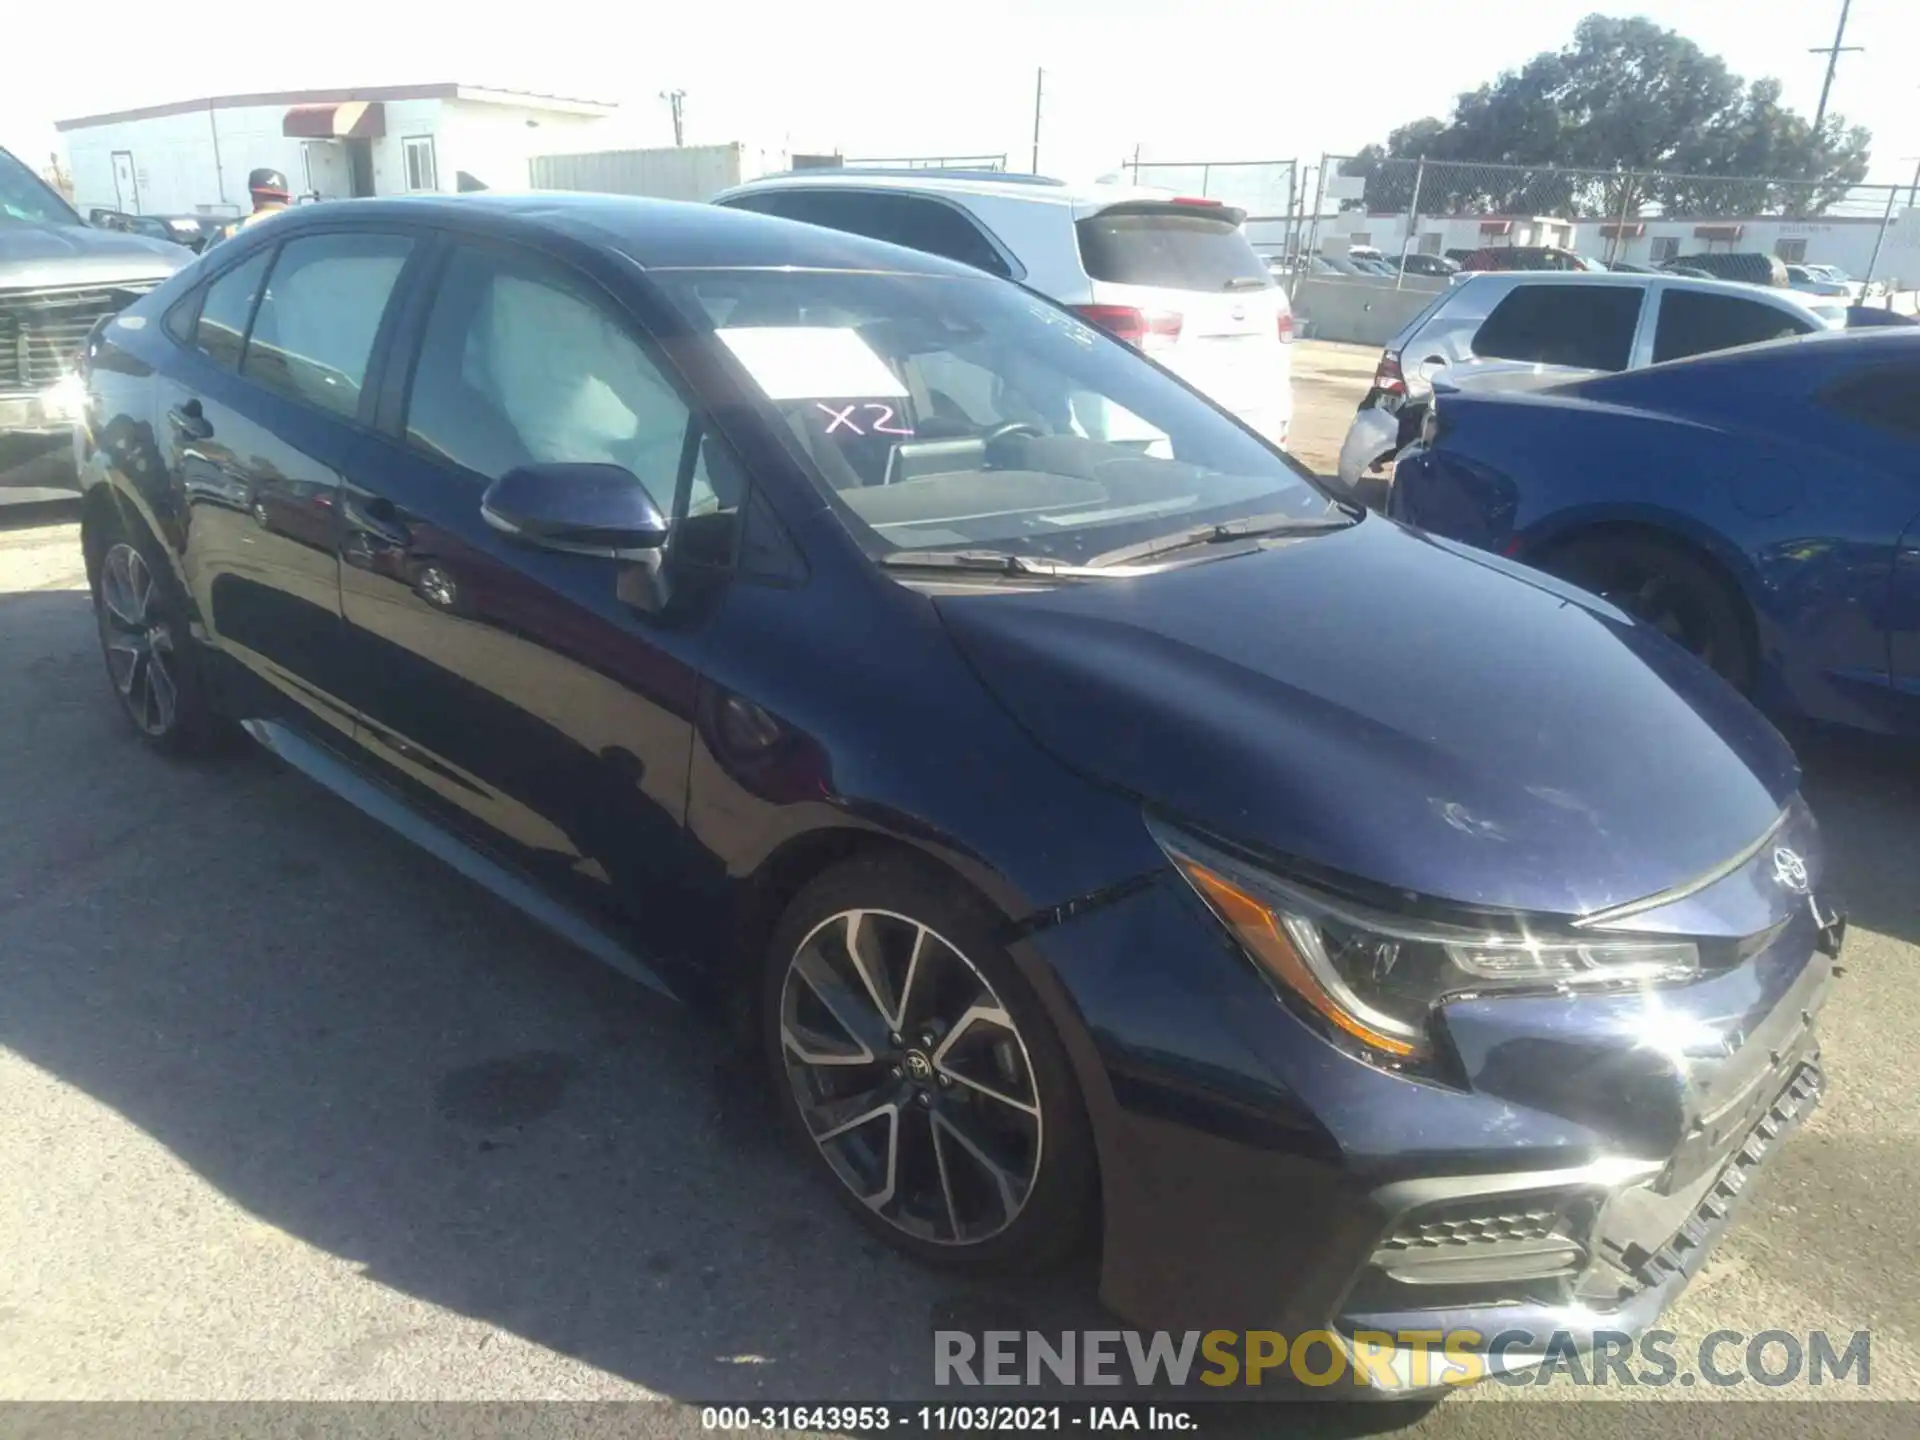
pixel 174 156
pixel 493 143
pixel 1846 243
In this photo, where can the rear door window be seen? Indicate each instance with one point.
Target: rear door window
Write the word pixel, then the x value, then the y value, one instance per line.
pixel 1695 322
pixel 915 221
pixel 317 320
pixel 222 325
pixel 1169 248
pixel 1589 326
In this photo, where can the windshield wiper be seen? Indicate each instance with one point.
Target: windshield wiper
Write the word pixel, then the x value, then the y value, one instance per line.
pixel 976 562
pixel 1247 282
pixel 1253 527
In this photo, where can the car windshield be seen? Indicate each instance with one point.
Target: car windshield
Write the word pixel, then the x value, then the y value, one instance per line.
pixel 944 414
pixel 24 196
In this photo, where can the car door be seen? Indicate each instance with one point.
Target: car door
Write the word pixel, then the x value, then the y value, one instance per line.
pixel 260 420
pixel 1582 323
pixel 505 687
pixel 1876 402
pixel 1698 322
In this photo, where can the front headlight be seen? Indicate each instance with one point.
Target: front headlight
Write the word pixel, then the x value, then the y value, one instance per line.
pixel 1377 976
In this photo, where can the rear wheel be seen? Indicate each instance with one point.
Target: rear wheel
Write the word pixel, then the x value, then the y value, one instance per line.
pixel 150 659
pixel 1669 589
pixel 916 1066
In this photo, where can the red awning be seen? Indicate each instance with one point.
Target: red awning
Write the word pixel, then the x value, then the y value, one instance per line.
pixel 353 119
pixel 1496 227
pixel 1718 232
pixel 1632 230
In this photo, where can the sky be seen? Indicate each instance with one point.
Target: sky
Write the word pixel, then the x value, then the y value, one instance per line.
pixel 1182 80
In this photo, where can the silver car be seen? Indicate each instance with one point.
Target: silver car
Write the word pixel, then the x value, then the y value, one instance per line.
pixel 1511 329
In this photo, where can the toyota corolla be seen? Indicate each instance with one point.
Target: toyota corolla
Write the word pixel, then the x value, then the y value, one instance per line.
pixel 1106 836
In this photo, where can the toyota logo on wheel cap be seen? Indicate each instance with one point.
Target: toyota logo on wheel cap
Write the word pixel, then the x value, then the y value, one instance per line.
pixel 1789 870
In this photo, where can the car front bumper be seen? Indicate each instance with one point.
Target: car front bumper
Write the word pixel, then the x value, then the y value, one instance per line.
pixel 1562 1185
pixel 36 438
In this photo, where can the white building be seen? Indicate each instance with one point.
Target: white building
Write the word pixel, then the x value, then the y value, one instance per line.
pixel 193 156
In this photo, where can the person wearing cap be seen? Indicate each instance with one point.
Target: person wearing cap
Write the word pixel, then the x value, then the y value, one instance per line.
pixel 270 196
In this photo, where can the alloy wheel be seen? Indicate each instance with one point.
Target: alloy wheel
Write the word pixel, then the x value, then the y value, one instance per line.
pixel 911 1076
pixel 138 640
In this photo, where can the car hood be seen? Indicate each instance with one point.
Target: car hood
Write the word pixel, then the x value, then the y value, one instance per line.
pixel 35 255
pixel 1394 707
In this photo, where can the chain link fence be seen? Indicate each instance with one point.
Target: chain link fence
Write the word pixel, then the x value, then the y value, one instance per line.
pixel 931 162
pixel 1545 215
pixel 1268 190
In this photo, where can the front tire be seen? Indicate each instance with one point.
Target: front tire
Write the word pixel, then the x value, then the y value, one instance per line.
pixel 151 660
pixel 1669 589
pixel 914 1063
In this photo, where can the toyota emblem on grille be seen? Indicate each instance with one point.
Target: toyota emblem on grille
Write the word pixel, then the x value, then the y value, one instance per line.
pixel 1790 871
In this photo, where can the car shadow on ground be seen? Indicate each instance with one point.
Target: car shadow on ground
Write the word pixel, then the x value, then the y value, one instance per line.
pixel 1865 791
pixel 373 1056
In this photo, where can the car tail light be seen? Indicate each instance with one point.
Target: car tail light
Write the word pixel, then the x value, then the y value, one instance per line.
pixel 1197 200
pixel 1143 329
pixel 1286 327
pixel 1388 377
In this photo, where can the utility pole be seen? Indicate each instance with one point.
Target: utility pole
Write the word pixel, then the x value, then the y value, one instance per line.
pixel 1833 53
pixel 1039 89
pixel 676 99
pixel 1913 190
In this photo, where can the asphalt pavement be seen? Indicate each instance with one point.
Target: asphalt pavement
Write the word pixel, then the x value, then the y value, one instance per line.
pixel 288 1110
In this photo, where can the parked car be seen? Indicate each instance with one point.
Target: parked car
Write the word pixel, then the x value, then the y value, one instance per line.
pixel 1062 789
pixel 1752 267
pixel 1173 276
pixel 1857 290
pixel 1753 505
pixel 195 232
pixel 57 277
pixel 1528 257
pixel 1577 324
pixel 1800 278
pixel 1416 263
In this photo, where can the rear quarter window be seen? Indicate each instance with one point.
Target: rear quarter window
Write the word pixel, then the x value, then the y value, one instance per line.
pixel 1575 323
pixel 1171 251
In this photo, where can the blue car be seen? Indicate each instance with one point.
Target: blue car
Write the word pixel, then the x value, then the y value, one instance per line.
pixel 1761 506
pixel 1101 836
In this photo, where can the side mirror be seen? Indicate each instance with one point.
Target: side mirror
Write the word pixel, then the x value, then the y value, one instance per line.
pixel 578 508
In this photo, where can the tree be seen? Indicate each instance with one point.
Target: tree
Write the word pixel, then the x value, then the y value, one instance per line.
pixel 1626 95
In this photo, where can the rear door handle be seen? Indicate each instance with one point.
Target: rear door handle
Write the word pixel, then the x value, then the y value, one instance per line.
pixel 190 420
pixel 374 526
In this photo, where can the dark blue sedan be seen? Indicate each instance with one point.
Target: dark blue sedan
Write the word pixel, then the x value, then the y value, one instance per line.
pixel 1101 834
pixel 1761 506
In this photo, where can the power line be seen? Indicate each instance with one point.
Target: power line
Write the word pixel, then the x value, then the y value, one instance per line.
pixel 1833 53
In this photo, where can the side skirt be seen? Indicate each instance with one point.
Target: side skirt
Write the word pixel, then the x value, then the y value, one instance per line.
pixel 317 764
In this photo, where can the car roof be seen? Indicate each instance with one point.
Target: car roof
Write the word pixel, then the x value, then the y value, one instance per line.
pixel 654 234
pixel 1080 199
pixel 1486 279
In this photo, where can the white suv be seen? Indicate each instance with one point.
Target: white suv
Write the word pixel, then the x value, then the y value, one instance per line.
pixel 1526 328
pixel 1173 276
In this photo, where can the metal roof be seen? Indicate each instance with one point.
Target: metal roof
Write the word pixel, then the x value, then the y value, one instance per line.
pixel 443 91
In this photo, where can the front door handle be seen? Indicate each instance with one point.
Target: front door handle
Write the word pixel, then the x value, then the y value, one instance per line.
pixel 190 420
